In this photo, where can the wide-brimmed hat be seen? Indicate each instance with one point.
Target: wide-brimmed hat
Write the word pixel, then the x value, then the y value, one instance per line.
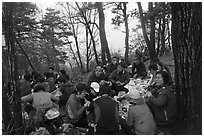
pixel 95 86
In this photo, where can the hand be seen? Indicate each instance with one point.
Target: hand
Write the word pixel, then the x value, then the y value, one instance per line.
pixel 102 82
pixel 135 76
pixel 118 83
pixel 87 104
pixel 148 94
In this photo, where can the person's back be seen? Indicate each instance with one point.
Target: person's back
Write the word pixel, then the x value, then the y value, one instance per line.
pixel 106 113
pixel 42 100
pixel 107 121
pixel 141 117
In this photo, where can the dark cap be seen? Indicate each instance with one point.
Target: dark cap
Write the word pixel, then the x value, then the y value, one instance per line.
pixel 104 89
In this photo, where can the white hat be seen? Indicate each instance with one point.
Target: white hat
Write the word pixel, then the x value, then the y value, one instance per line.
pixel 135 91
pixel 95 86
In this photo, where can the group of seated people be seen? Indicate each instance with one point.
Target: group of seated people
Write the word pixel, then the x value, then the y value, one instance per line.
pixel 92 104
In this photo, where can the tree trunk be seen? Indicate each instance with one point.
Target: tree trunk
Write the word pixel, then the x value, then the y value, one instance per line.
pixel 104 44
pixel 126 32
pixel 16 101
pixel 163 48
pixel 158 37
pixel 150 44
pixel 79 55
pixel 187 48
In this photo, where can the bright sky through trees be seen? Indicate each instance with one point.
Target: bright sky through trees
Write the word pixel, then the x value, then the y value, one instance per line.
pixel 115 37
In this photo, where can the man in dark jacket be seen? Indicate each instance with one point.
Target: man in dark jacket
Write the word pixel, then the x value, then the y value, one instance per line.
pixel 112 66
pixel 98 76
pixel 106 113
pixel 138 68
pixel 66 88
pixel 119 78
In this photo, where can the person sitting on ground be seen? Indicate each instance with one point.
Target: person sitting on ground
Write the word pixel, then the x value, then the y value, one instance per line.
pixel 40 100
pixel 98 76
pixel 25 85
pixel 76 112
pixel 93 91
pixel 138 68
pixel 50 80
pixel 64 74
pixel 139 115
pixel 106 112
pixel 53 73
pixel 119 78
pixel 163 104
pixel 160 66
pixel 112 66
pixel 66 88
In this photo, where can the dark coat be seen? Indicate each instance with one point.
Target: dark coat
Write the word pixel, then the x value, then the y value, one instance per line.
pixel 163 105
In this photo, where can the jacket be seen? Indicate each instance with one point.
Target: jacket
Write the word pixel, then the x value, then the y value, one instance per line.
pixel 141 117
pixel 163 105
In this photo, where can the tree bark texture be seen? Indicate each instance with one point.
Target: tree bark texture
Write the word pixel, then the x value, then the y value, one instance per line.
pixel 14 80
pixel 104 44
pixel 187 48
pixel 150 44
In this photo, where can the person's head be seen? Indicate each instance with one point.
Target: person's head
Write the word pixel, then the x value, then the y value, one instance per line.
pixel 114 60
pixel 162 78
pixel 81 90
pixel 98 70
pixel 62 71
pixel 47 75
pixel 27 77
pixel 46 86
pixel 153 68
pixel 104 89
pixel 51 69
pixel 61 80
pixel 94 87
pixel 38 87
pixel 38 78
pixel 120 67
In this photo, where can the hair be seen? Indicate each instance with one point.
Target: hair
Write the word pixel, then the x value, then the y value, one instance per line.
pixel 105 89
pixel 122 64
pixel 27 77
pixel 51 68
pixel 115 57
pixel 37 76
pixel 47 74
pixel 165 76
pixel 153 66
pixel 38 87
pixel 81 87
pixel 62 71
pixel 61 79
